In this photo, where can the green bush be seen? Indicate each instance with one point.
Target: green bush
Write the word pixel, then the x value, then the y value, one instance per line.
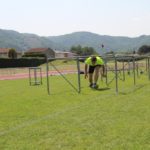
pixel 34 55
pixel 21 62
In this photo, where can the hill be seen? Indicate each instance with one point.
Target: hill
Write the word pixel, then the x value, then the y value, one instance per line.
pixel 115 43
pixel 25 41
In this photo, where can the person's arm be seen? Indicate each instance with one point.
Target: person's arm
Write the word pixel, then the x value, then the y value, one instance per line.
pixel 86 72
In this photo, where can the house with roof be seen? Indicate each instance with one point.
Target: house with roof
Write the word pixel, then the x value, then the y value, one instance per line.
pixel 50 53
pixel 4 53
pixel 45 51
pixel 64 54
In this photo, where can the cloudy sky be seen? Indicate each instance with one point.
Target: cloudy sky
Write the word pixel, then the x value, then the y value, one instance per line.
pixel 57 17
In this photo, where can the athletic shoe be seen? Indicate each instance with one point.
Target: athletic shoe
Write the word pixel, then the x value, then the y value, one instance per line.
pixel 95 86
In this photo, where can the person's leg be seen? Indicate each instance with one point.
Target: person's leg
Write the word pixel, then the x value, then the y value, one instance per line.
pixel 91 78
pixel 91 71
pixel 96 74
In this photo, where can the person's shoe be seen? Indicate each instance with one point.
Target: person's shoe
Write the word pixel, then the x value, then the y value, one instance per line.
pixel 95 86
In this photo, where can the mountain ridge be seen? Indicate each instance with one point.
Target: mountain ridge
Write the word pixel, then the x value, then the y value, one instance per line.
pixel 25 41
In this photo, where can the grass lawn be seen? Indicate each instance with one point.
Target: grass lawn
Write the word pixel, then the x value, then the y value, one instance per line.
pixel 30 119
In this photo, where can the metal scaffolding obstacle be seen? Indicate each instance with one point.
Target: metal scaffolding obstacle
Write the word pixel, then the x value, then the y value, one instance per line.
pixel 133 66
pixel 129 65
pixel 49 60
pixel 35 75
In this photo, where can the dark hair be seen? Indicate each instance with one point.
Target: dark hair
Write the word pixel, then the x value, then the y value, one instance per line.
pixel 93 58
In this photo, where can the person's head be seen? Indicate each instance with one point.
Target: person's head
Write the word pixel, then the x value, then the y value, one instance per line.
pixel 93 59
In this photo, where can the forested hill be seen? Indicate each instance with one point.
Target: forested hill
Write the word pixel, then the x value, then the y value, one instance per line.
pixel 24 41
pixel 115 43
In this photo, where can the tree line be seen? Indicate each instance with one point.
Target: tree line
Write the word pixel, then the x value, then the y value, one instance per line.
pixel 83 51
pixel 144 49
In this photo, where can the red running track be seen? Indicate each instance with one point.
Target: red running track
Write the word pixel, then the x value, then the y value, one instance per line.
pixel 26 75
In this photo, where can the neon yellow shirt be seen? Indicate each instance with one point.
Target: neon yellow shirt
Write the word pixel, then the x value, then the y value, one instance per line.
pixel 99 61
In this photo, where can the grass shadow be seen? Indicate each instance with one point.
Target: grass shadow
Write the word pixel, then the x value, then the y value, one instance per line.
pixel 102 89
pixel 134 89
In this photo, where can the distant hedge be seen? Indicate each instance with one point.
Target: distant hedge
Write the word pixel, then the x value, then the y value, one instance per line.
pixel 21 62
pixel 34 55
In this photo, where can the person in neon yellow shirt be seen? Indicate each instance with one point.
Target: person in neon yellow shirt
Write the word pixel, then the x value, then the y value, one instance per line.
pixel 92 70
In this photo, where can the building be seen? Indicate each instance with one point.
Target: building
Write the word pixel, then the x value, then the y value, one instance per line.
pixel 64 54
pixel 46 51
pixel 50 53
pixel 4 53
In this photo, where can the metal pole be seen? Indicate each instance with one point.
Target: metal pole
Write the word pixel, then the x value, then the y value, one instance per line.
pixel 79 82
pixel 123 71
pixel 106 72
pixel 146 65
pixel 29 77
pixel 128 67
pixel 137 69
pixel 41 75
pixel 35 76
pixel 148 68
pixel 47 70
pixel 116 75
pixel 134 70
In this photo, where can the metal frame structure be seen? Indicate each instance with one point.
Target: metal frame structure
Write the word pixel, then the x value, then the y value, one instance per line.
pixel 77 89
pixel 35 80
pixel 132 59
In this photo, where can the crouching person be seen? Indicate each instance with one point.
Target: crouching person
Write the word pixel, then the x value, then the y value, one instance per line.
pixel 92 70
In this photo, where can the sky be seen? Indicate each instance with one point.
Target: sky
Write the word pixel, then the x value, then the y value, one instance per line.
pixel 58 17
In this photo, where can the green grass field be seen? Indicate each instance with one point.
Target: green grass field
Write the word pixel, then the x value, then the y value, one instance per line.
pixel 30 119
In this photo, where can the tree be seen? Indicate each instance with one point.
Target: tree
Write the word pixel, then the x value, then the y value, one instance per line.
pixel 12 53
pixel 88 51
pixel 83 51
pixel 76 49
pixel 144 49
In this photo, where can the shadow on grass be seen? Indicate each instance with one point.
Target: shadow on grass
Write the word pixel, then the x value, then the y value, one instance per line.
pixel 134 89
pixel 102 89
